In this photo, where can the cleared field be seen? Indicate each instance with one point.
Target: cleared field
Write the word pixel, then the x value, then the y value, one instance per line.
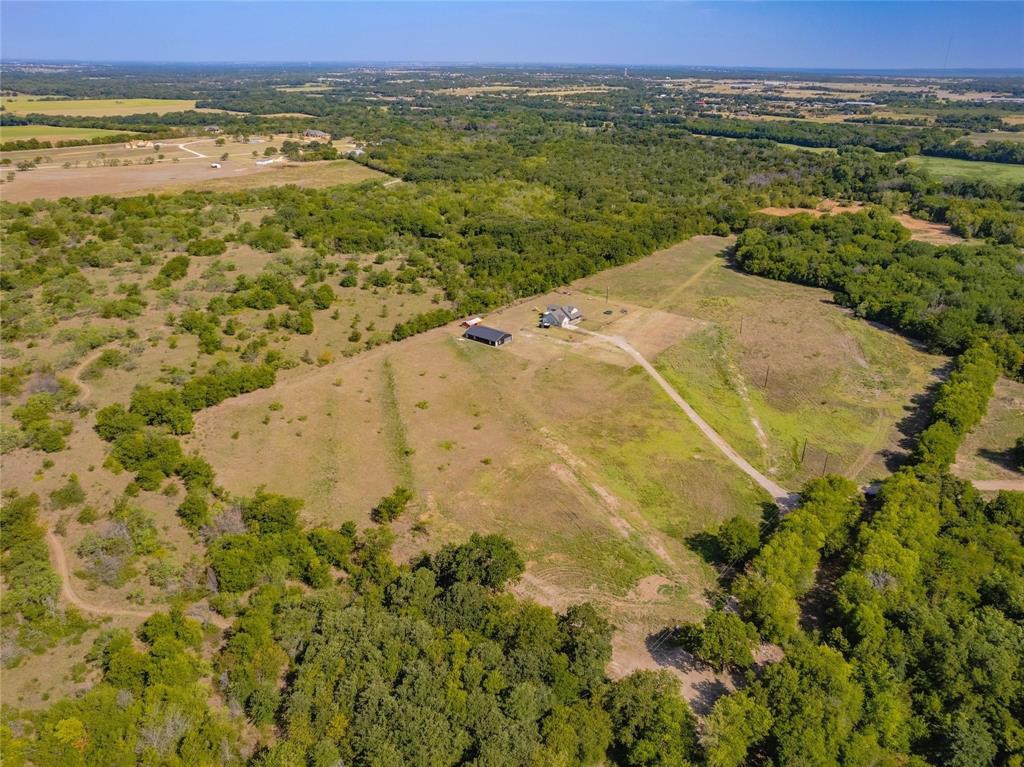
pixel 773 365
pixel 308 88
pixel 986 452
pixel 51 133
pixel 922 231
pixel 815 149
pixel 173 166
pixel 997 135
pixel 313 175
pixel 563 445
pixel 23 105
pixel 996 172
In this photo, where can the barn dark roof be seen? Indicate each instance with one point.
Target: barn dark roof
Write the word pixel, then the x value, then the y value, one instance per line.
pixel 484 333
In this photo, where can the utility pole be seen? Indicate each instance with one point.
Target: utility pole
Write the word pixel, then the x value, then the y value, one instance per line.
pixel 803 452
pixel 825 467
pixel 766 372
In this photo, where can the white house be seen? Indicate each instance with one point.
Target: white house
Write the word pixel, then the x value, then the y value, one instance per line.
pixel 560 316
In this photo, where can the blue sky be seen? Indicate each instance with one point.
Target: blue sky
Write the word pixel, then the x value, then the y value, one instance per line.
pixel 876 35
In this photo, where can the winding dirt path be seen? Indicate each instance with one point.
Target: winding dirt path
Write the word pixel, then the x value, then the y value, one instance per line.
pixel 59 559
pixel 76 377
pixel 784 498
pixel 60 564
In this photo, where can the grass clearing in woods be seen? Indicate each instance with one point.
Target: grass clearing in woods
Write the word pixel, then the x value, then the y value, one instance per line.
pixel 832 379
pixel 987 452
pixel 969 170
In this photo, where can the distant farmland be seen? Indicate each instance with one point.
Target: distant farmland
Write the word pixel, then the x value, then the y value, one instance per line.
pixel 51 133
pixel 23 105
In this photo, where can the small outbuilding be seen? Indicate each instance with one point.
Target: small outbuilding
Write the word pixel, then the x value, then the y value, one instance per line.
pixel 313 133
pixel 472 322
pixel 212 129
pixel 486 335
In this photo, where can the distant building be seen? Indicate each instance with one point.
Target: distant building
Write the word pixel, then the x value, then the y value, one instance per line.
pixel 471 322
pixel 313 133
pixel 489 336
pixel 212 129
pixel 560 316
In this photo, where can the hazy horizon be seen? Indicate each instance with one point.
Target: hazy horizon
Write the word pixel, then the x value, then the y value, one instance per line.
pixel 836 36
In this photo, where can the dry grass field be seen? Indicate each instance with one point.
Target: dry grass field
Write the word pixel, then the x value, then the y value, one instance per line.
pixel 986 452
pixel 23 105
pixel 169 166
pixel 833 380
pixel 560 444
pixel 569 448
pixel 556 440
pixel 996 135
pixel 155 352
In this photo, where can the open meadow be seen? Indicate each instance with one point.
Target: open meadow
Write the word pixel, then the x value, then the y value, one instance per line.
pixel 562 445
pixel 566 446
pixel 24 105
pixel 52 133
pixel 559 441
pixel 172 165
pixel 987 453
pixel 774 366
pixel 970 170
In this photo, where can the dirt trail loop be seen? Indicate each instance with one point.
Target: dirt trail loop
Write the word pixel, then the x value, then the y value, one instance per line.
pixel 60 564
pixel 783 497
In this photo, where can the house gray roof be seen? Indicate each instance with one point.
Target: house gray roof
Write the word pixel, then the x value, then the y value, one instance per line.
pixel 560 315
pixel 555 316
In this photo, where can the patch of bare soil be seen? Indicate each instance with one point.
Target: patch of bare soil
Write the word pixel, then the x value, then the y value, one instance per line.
pixel 928 231
pixel 921 231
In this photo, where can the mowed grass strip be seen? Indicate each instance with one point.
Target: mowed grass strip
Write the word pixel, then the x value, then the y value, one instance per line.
pixel 970 170
pixel 23 105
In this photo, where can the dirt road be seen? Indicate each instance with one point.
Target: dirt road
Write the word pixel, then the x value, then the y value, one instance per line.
pixel 185 147
pixel 783 497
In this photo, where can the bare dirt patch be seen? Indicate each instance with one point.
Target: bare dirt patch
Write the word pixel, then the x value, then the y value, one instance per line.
pixel 922 231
